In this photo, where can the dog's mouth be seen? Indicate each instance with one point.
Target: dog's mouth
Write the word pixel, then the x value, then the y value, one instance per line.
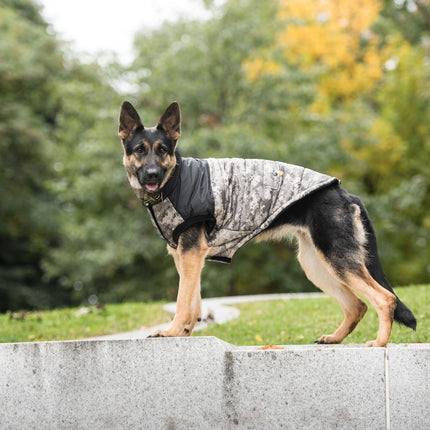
pixel 151 187
pixel 150 179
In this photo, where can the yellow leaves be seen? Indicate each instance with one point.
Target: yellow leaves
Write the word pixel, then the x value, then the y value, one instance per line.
pixel 335 37
pixel 258 68
pixel 258 338
pixel 333 40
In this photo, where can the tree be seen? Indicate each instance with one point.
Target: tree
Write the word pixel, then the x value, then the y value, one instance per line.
pixel 28 106
pixel 373 86
pixel 315 88
pixel 204 66
pixel 340 87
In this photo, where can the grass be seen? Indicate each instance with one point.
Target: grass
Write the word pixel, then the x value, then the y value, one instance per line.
pixel 286 322
pixel 78 323
pixel 279 322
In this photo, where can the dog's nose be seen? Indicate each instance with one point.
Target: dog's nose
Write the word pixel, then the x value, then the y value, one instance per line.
pixel 152 174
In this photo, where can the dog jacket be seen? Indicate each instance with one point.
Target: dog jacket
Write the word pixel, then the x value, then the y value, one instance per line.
pixel 235 198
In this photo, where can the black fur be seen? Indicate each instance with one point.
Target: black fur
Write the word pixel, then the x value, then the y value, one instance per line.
pixel 337 242
pixel 190 238
pixel 402 313
pixel 327 214
pixel 150 135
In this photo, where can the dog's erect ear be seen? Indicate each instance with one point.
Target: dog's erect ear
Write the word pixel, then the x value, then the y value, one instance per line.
pixel 129 121
pixel 170 121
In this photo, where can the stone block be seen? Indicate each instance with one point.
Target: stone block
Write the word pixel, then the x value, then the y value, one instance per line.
pixel 317 387
pixel 137 384
pixel 409 386
pixel 202 382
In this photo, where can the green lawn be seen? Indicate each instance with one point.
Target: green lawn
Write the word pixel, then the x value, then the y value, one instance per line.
pixel 78 323
pixel 273 322
pixel 298 322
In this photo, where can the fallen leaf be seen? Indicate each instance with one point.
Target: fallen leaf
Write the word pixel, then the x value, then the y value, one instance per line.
pixel 258 338
pixel 270 347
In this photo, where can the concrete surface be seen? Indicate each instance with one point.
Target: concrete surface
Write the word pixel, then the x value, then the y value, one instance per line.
pixel 204 383
pixel 409 386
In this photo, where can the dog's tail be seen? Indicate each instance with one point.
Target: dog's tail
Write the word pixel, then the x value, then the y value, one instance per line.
pixel 402 313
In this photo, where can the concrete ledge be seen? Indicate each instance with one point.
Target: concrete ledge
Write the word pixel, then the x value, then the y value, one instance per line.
pixel 202 382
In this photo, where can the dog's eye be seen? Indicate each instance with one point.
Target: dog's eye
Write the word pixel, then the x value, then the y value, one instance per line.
pixel 161 150
pixel 140 150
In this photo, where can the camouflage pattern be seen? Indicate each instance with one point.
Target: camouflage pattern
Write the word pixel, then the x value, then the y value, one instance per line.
pixel 165 218
pixel 248 195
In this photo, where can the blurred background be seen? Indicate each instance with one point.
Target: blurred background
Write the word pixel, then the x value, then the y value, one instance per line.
pixel 338 86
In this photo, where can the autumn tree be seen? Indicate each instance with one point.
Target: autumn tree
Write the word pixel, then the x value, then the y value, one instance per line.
pixel 368 62
pixel 337 86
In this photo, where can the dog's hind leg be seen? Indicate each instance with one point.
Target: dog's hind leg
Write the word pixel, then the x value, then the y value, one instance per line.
pixel 189 260
pixel 345 255
pixel 381 299
pixel 319 273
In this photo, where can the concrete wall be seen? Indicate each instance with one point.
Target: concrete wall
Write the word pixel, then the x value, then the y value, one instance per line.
pixel 204 383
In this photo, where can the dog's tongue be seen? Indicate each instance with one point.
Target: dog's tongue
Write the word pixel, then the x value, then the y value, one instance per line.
pixel 151 187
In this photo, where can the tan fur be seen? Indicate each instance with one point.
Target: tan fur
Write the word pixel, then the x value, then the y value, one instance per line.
pixel 381 299
pixel 359 234
pixel 132 164
pixel 319 272
pixel 189 265
pixel 169 163
pixel 278 234
pixel 190 256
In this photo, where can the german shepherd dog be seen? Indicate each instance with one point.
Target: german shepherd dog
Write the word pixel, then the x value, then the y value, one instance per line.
pixel 336 240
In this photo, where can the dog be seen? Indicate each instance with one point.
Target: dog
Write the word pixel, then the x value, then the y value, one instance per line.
pixel 207 209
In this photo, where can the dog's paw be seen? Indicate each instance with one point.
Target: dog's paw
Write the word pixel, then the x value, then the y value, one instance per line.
pixel 156 334
pixel 171 332
pixel 374 344
pixel 327 339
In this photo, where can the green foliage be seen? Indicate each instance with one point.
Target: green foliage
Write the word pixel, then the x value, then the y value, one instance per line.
pixel 28 104
pixel 73 232
pixel 199 63
pixel 409 17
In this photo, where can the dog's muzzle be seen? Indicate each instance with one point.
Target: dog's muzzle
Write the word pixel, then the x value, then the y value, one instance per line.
pixel 150 178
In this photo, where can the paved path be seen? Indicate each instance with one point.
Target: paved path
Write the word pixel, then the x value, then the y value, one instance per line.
pixel 214 310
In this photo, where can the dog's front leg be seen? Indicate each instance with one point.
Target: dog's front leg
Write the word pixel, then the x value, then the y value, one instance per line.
pixel 189 260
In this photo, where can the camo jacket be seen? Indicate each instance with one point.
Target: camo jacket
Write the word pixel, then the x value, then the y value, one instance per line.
pixel 235 198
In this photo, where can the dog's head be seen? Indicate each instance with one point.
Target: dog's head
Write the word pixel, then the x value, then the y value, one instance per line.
pixel 149 153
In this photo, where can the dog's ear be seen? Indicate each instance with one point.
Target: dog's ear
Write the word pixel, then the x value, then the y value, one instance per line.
pixel 170 121
pixel 129 121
